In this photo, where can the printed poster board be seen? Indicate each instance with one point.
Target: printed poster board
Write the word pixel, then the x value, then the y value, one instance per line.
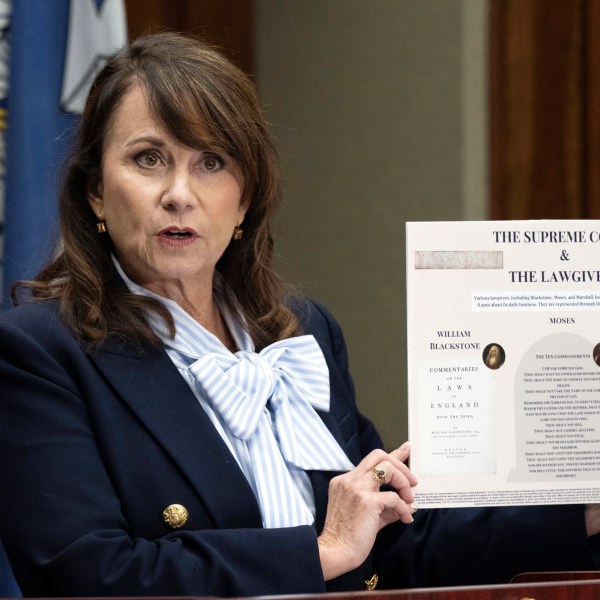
pixel 504 362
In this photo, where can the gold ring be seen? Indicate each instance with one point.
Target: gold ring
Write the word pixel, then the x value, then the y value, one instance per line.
pixel 379 475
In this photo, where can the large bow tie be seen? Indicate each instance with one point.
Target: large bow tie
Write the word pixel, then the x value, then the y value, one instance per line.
pixel 288 380
pixel 265 403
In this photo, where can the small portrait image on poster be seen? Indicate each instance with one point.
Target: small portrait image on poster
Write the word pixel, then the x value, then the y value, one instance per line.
pixel 596 354
pixel 494 356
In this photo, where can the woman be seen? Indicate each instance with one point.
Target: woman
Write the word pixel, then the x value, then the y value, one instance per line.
pixel 173 420
pixel 159 467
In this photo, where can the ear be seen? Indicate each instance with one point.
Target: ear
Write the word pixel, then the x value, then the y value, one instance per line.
pixel 243 209
pixel 95 196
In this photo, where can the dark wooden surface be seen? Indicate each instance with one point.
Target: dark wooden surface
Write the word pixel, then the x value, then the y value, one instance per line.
pixel 585 589
pixel 557 576
pixel 567 586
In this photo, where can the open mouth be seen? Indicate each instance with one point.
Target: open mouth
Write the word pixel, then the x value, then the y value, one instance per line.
pixel 177 234
pixel 174 236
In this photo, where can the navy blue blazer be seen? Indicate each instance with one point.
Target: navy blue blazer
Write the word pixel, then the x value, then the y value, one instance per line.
pixel 93 447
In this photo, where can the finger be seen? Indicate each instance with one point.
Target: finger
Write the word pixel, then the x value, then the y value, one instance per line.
pixel 371 459
pixel 387 472
pixel 394 508
pixel 403 468
pixel 402 453
pixel 397 456
pixel 379 474
pixel 377 457
pixel 402 485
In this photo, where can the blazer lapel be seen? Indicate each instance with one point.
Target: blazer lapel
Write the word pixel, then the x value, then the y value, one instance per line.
pixel 159 396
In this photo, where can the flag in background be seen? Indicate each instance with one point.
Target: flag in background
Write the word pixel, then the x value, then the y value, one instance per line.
pixel 56 48
pixel 4 32
pixel 50 51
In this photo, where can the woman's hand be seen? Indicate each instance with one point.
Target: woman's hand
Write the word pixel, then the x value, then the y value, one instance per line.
pixel 357 509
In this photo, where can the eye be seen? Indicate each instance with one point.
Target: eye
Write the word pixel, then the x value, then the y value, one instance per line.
pixel 212 162
pixel 148 159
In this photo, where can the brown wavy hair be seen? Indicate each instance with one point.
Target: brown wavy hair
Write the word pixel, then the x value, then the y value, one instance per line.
pixel 199 97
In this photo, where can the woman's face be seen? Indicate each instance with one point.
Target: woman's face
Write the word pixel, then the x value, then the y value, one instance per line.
pixel 170 210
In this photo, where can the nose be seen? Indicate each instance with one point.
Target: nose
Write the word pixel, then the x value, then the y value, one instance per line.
pixel 178 194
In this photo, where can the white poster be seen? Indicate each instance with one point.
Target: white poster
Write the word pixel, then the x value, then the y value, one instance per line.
pixel 504 362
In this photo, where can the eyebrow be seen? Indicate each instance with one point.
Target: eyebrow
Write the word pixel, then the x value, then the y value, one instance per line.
pixel 148 139
pixel 160 143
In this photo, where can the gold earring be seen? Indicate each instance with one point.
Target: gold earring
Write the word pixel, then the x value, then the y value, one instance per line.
pixel 100 225
pixel 238 232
